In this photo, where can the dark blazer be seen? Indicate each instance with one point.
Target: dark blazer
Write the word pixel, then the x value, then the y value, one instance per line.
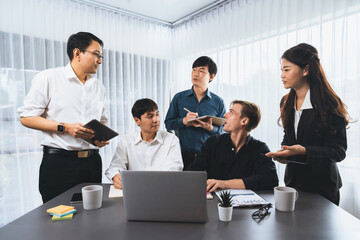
pixel 323 150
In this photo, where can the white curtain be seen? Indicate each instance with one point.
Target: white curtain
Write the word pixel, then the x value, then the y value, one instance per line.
pixel 247 38
pixel 144 59
pixel 33 36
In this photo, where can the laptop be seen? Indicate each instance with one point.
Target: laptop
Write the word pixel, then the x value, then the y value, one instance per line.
pixel 164 196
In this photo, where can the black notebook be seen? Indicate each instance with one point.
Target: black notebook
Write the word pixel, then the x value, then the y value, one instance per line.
pixel 102 132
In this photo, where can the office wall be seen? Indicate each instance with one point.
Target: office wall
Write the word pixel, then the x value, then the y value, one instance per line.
pixel 33 35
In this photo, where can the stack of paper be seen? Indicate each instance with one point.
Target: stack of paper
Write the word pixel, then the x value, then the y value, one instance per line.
pixel 61 212
pixel 114 192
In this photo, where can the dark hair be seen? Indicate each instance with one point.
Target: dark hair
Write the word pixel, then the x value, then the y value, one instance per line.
pixel 323 98
pixel 206 61
pixel 142 106
pixel 81 40
pixel 251 111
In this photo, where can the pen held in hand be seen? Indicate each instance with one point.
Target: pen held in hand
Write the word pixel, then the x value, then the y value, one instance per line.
pixel 187 110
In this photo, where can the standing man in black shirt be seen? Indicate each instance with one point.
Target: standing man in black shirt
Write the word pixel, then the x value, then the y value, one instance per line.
pixel 236 159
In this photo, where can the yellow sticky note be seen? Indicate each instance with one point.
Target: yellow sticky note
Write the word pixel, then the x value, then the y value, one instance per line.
pixel 60 209
pixel 69 216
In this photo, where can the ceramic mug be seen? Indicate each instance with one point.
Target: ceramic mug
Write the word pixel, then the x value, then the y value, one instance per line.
pixel 285 198
pixel 92 197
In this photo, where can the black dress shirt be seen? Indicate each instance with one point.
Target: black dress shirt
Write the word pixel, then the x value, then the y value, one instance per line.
pixel 218 157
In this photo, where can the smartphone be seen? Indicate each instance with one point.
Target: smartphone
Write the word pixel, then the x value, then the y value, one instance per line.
pixel 76 198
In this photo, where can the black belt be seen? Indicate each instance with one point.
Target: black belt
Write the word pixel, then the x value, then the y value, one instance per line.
pixel 79 154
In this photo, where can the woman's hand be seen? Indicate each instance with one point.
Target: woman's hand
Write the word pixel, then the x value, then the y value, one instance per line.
pixel 287 151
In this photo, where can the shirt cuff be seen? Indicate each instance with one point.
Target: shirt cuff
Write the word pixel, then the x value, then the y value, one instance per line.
pixel 249 183
pixel 31 113
pixel 215 129
pixel 111 172
pixel 180 123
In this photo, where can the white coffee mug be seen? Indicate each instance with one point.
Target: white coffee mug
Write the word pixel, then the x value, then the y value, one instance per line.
pixel 92 197
pixel 285 198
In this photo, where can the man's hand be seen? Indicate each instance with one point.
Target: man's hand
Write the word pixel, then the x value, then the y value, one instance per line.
pixel 213 184
pixel 78 131
pixel 100 144
pixel 190 116
pixel 117 181
pixel 205 124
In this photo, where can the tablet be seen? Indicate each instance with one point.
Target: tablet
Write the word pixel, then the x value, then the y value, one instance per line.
pixel 102 132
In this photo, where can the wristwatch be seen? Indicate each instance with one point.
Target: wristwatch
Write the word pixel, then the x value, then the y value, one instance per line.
pixel 61 128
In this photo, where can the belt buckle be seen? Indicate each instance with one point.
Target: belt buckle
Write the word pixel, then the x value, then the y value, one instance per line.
pixel 83 154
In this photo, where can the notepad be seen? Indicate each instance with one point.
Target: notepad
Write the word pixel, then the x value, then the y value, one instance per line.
pixel 69 216
pixel 215 120
pixel 60 209
pixel 115 193
pixel 64 214
pixel 244 198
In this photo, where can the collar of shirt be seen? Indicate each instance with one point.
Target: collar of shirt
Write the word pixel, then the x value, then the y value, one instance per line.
pixel 159 138
pixel 229 142
pixel 70 74
pixel 306 104
pixel 192 92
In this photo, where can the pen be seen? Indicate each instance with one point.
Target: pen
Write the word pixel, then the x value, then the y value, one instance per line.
pixel 187 110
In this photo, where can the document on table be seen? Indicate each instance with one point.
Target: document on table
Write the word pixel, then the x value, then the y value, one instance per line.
pixel 115 193
pixel 244 198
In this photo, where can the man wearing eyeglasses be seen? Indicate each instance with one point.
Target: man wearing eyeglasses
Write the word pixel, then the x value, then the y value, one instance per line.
pixel 59 102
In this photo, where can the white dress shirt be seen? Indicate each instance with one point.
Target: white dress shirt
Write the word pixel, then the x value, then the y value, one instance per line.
pixel 57 94
pixel 306 105
pixel 132 153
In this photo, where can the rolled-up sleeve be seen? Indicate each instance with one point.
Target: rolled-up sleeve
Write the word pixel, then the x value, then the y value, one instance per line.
pixel 119 161
pixel 174 159
pixel 37 99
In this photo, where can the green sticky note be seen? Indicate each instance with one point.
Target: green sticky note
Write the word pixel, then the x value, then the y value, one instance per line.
pixel 55 218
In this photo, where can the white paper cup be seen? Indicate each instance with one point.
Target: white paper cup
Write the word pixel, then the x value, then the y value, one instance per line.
pixel 92 197
pixel 285 198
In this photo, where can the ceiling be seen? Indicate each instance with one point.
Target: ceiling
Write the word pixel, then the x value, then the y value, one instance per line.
pixel 165 10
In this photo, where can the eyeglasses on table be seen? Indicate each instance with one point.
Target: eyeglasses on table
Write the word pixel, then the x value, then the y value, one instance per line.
pixel 260 214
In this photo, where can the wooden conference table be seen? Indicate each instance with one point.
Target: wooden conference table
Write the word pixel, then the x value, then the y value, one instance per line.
pixel 314 218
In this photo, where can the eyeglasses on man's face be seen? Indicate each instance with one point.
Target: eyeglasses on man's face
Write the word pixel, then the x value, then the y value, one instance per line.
pixel 95 53
pixel 259 215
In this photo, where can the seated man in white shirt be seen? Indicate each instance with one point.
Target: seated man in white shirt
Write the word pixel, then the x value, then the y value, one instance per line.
pixel 149 149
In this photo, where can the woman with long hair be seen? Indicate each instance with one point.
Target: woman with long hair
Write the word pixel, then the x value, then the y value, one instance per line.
pixel 314 120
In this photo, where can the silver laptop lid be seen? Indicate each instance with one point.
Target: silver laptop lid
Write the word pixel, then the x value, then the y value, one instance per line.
pixel 165 196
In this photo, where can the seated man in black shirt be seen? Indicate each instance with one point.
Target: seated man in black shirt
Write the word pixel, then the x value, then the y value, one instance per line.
pixel 236 159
